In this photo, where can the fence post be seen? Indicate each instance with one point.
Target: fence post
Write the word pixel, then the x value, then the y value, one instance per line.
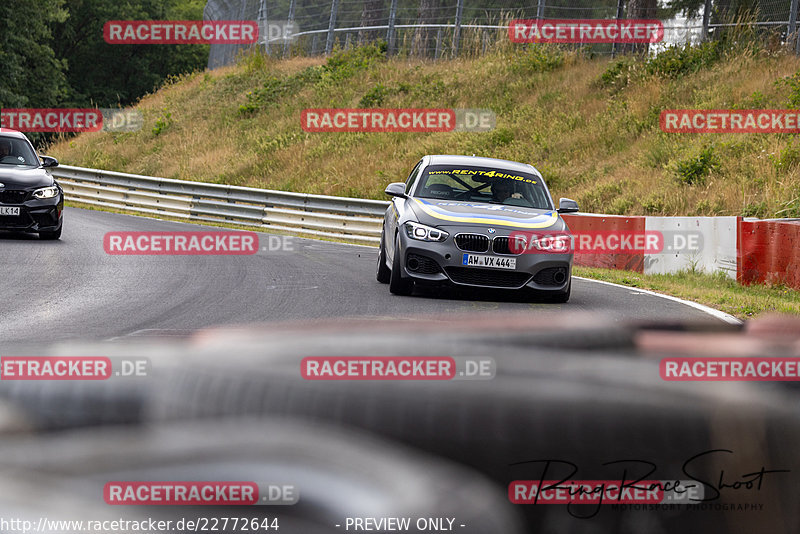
pixel 263 26
pixel 290 24
pixel 540 10
pixel 331 26
pixel 438 51
pixel 707 17
pixel 793 25
pixel 314 44
pixel 457 30
pixel 390 32
pixel 620 9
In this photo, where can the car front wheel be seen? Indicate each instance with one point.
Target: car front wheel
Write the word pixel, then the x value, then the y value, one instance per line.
pixel 51 236
pixel 397 284
pixel 562 296
pixel 383 273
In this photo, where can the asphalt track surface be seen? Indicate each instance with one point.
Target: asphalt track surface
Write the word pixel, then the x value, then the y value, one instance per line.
pixel 72 289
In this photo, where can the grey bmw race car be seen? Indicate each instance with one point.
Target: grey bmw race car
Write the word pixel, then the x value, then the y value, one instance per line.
pixel 457 220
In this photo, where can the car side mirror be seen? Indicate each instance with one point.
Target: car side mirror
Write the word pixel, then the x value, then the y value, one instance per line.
pixel 47 161
pixel 397 189
pixel 567 205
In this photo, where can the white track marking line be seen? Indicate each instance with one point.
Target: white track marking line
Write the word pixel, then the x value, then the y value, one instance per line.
pixel 721 315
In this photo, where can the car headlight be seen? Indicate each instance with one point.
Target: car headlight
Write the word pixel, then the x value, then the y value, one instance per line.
pixel 420 232
pixel 46 192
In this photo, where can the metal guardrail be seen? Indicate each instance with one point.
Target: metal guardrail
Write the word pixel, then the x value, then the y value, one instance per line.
pixel 348 219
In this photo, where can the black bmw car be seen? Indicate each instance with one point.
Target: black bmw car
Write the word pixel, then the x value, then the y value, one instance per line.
pixel 30 199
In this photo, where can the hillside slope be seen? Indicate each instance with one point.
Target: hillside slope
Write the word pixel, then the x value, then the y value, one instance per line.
pixel 590 125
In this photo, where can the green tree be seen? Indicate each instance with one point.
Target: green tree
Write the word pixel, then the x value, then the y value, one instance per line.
pixel 32 74
pixel 106 75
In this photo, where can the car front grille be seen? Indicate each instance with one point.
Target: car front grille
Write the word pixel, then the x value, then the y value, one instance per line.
pixel 422 264
pixel 550 276
pixel 501 245
pixel 487 277
pixel 13 197
pixel 472 242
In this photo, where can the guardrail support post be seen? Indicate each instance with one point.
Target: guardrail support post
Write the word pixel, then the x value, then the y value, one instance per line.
pixel 457 29
pixel 331 27
pixel 290 23
pixel 620 8
pixel 390 31
pixel 792 31
pixel 707 17
pixel 263 27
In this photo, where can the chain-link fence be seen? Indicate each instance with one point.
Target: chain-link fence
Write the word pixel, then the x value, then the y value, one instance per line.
pixel 449 28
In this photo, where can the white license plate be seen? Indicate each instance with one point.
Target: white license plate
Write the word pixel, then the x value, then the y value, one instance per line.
pixel 4 210
pixel 494 262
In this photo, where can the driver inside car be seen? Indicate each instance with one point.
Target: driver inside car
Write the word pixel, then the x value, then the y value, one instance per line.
pixel 502 190
pixel 5 148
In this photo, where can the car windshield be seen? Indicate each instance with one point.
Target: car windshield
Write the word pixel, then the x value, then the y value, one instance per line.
pixel 484 184
pixel 15 151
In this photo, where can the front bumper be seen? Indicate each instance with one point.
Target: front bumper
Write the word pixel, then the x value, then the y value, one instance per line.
pixel 439 263
pixel 35 215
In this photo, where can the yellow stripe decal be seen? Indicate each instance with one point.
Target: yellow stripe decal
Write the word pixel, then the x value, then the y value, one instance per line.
pixel 540 221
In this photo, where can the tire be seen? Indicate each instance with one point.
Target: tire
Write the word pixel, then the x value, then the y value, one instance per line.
pixel 61 404
pixel 562 296
pixel 332 470
pixel 587 407
pixel 397 284
pixel 51 236
pixel 383 273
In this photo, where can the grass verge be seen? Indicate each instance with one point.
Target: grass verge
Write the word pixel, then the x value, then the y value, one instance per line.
pixel 714 290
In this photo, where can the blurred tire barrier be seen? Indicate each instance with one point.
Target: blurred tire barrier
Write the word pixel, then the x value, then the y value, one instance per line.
pixel 568 387
pixel 335 474
pixel 47 405
pixel 586 407
pixel 13 420
pixel 27 499
pixel 54 405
